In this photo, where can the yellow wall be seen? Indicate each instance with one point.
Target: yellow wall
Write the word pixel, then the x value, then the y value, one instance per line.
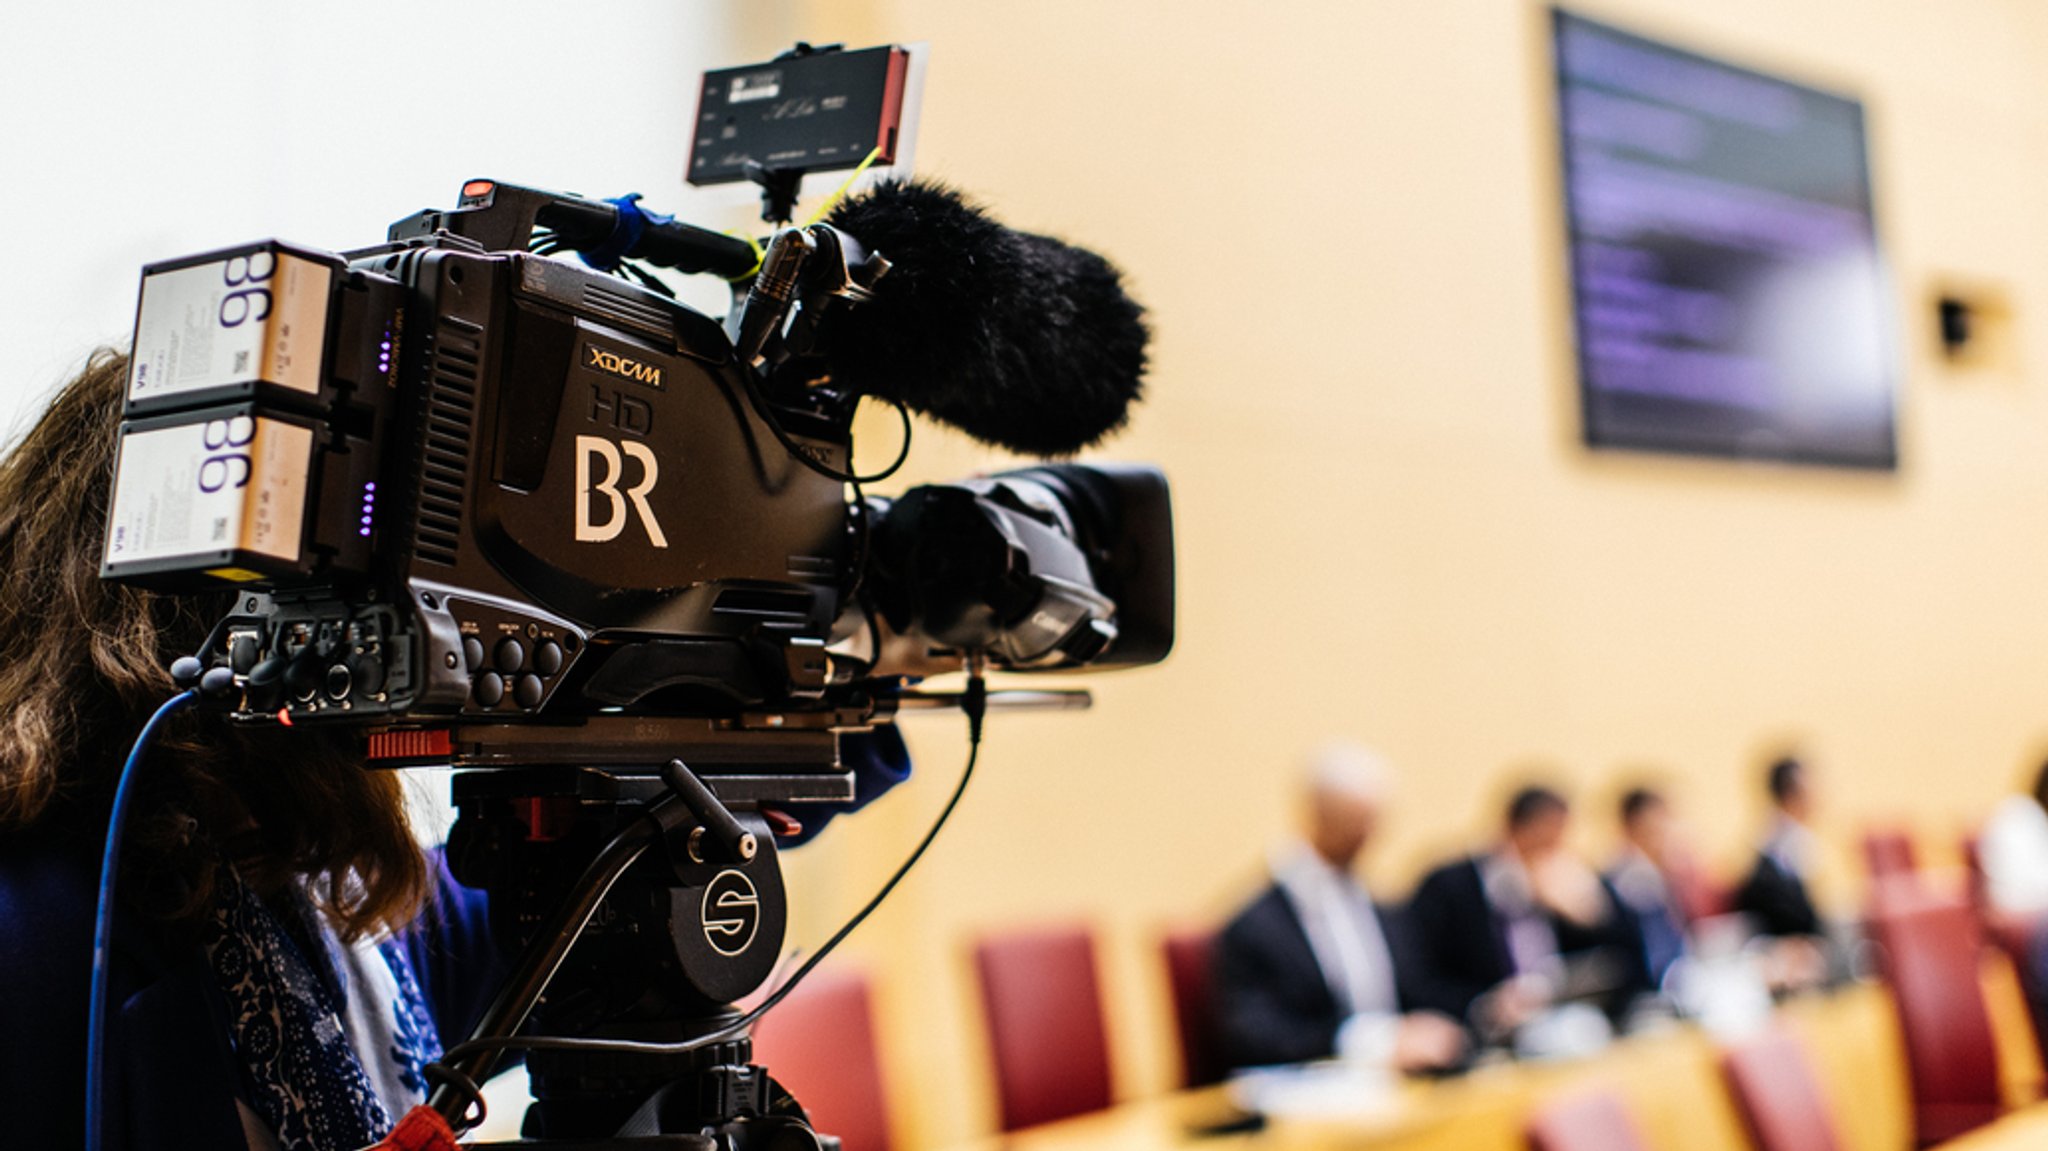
pixel 1344 219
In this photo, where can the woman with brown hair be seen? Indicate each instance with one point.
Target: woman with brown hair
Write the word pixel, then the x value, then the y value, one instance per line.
pixel 283 955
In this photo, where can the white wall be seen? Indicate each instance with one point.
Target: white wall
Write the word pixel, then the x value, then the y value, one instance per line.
pixel 132 132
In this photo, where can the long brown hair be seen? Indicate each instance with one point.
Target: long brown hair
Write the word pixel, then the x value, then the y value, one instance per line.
pixel 83 664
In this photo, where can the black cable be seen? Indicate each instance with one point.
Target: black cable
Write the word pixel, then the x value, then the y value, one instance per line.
pixel 648 280
pixel 873 613
pixel 472 1094
pixel 856 589
pixel 761 409
pixel 974 701
pixel 865 539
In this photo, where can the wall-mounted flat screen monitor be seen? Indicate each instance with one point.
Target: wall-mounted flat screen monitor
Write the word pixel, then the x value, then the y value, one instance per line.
pixel 1729 296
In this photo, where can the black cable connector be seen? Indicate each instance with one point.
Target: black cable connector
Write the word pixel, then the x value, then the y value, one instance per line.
pixel 974 701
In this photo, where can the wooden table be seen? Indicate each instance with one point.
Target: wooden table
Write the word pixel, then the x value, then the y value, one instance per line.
pixel 1670 1082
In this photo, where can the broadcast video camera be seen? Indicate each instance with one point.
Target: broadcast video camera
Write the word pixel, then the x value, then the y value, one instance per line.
pixel 496 510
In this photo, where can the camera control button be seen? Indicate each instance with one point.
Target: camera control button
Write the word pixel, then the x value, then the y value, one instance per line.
pixel 472 652
pixel 490 689
pixel 526 691
pixel 510 654
pixel 547 657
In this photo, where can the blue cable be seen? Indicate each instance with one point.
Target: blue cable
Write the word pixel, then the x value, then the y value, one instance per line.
pixel 95 1040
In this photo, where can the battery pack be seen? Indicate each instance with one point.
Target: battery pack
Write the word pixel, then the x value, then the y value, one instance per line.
pixel 223 490
pixel 235 495
pixel 290 326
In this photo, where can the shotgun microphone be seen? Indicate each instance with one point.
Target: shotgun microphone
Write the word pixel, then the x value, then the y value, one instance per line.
pixel 1019 340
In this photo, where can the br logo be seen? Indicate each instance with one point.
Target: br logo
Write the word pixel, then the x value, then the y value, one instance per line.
pixel 606 453
pixel 731 912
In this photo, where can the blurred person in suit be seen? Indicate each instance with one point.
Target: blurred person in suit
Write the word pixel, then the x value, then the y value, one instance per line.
pixel 1313 967
pixel 1510 935
pixel 1776 896
pixel 1649 876
pixel 2013 851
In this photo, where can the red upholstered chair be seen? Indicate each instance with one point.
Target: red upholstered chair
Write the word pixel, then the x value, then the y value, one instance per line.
pixel 1188 956
pixel 1044 1015
pixel 1932 951
pixel 820 1044
pixel 1776 1093
pixel 1589 1121
pixel 1888 852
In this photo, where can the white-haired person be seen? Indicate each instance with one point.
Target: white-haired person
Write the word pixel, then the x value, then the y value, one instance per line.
pixel 1313 968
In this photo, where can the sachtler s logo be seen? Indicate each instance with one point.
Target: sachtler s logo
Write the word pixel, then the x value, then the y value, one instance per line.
pixel 732 913
pixel 615 364
pixel 602 491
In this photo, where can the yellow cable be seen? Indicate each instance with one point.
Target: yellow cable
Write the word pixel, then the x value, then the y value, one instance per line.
pixel 840 192
pixel 837 195
pixel 759 255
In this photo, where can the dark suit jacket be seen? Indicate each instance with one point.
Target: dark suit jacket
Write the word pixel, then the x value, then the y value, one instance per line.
pixel 1273 1002
pixel 1461 942
pixel 1777 899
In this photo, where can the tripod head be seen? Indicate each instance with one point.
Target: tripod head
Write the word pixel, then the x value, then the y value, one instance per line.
pixel 669 890
pixel 706 1081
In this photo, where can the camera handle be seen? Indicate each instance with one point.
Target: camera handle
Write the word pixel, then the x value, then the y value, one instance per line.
pixel 501 218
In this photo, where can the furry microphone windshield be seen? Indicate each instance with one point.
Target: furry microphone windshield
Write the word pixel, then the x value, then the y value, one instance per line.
pixel 1018 340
